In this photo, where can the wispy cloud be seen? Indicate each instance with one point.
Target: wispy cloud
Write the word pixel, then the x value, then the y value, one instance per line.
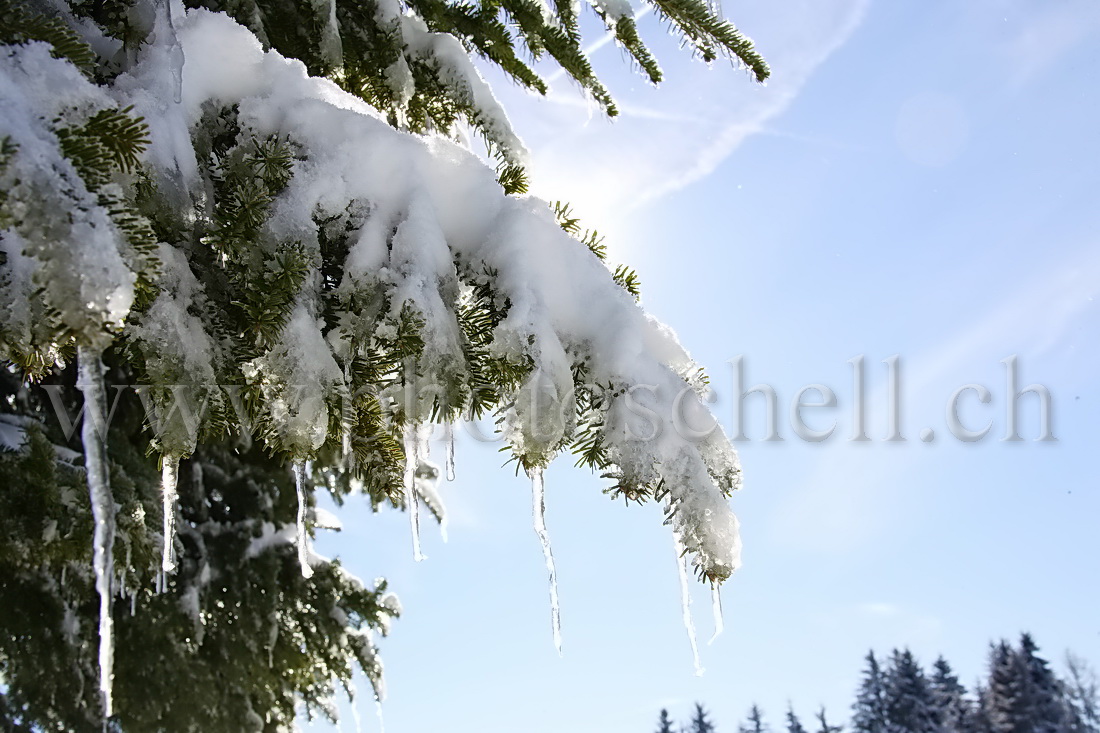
pixel 1048 33
pixel 845 500
pixel 670 137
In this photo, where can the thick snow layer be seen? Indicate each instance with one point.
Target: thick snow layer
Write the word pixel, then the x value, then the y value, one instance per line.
pixel 613 9
pixel 78 253
pixel 435 225
pixel 428 204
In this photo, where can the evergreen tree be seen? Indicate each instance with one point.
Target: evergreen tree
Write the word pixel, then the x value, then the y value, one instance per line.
pixel 981 720
pixel 755 721
pixel 869 710
pixel 953 710
pixel 700 722
pixel 1043 692
pixel 1023 695
pixel 1002 702
pixel 794 725
pixel 1082 693
pixel 909 703
pixel 823 725
pixel 301 290
pixel 664 723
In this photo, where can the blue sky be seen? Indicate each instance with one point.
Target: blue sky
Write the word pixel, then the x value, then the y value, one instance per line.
pixel 918 180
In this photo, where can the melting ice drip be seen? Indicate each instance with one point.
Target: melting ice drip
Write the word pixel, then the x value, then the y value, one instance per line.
pixel 538 499
pixel 169 476
pixel 412 502
pixel 716 610
pixel 302 534
pixel 685 602
pixel 449 438
pixel 93 434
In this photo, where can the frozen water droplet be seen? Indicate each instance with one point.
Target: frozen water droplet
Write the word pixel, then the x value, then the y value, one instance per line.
pixel 169 475
pixel 93 435
pixel 538 499
pixel 685 603
pixel 303 536
pixel 449 437
pixel 412 502
pixel 716 609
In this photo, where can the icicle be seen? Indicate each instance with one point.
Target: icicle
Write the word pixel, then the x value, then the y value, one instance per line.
pixel 63 567
pixel 272 639
pixel 381 719
pixel 345 417
pixel 169 473
pixel 303 537
pixel 716 609
pixel 353 701
pixel 412 503
pixel 133 603
pixel 685 602
pixel 449 438
pixel 538 499
pixel 93 434
pixel 423 444
pixel 175 50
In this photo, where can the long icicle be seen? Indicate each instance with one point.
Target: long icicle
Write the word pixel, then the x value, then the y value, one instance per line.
pixel 93 434
pixel 538 500
pixel 303 536
pixel 424 451
pixel 449 438
pixel 716 610
pixel 412 502
pixel 169 475
pixel 685 602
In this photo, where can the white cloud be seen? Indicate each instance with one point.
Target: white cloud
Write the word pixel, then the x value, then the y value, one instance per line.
pixel 879 609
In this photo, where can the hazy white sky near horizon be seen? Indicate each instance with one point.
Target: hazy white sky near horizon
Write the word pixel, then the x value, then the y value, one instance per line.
pixel 919 180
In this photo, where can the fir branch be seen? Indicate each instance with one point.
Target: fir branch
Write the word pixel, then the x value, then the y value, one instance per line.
pixel 19 25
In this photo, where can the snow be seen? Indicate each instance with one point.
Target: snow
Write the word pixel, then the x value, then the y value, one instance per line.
pixel 613 10
pixel 90 383
pixel 270 536
pixel 538 500
pixel 71 255
pixel 12 434
pixel 298 377
pixel 428 204
pixel 178 351
pixel 456 71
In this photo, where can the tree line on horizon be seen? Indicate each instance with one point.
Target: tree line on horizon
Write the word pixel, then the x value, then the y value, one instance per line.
pixel 1020 694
